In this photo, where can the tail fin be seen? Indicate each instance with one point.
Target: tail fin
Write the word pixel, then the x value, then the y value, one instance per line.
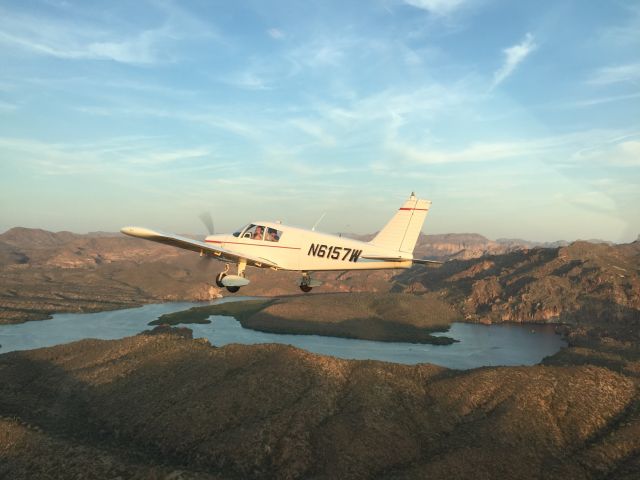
pixel 401 233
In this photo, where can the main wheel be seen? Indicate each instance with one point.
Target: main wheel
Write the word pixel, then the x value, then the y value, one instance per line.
pixel 305 288
pixel 219 278
pixel 233 289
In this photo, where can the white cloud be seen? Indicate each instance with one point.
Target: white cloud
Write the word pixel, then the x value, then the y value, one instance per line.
pixel 594 101
pixel 437 7
pixel 328 51
pixel 618 74
pixel 624 34
pixel 248 80
pixel 513 57
pixel 479 152
pixel 315 131
pixel 276 33
pixel 591 201
pixel 128 156
pixel 623 153
pixel 571 149
pixel 56 41
pixel 69 39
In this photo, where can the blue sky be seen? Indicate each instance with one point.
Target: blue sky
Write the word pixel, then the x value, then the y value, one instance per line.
pixel 517 119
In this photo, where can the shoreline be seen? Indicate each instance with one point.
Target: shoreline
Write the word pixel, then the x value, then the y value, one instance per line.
pixel 561 328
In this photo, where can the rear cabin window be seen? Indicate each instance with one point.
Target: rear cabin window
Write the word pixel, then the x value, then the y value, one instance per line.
pixel 273 235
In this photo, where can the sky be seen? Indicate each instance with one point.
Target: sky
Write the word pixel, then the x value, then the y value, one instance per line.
pixel 516 119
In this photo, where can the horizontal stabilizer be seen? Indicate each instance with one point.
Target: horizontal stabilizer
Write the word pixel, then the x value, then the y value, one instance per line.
pixel 382 258
pixel 426 262
pixel 400 259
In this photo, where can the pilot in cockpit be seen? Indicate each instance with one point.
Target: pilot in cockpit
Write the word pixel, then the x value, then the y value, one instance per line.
pixel 257 235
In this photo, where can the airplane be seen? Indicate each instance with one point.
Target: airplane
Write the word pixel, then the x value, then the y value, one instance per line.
pixel 282 247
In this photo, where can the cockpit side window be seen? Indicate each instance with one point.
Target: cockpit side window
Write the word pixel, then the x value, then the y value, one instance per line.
pixel 255 232
pixel 273 235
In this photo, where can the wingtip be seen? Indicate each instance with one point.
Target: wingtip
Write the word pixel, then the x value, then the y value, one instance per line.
pixel 139 232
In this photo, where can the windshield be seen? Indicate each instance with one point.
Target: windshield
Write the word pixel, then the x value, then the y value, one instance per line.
pixel 240 230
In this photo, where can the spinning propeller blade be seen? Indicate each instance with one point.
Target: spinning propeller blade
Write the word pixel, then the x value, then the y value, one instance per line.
pixel 206 218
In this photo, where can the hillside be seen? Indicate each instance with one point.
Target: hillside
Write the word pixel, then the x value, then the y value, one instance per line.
pixel 594 289
pixel 152 406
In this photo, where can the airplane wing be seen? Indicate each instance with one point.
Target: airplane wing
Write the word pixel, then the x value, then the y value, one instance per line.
pixel 401 259
pixel 196 246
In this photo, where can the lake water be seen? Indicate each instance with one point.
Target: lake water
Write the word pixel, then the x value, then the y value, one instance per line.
pixel 479 345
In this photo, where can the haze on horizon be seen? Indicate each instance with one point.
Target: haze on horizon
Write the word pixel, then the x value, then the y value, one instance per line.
pixel 517 119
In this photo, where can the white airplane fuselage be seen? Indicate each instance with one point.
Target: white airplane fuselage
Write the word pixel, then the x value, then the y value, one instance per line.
pixel 307 250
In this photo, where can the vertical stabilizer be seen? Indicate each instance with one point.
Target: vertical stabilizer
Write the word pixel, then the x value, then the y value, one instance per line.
pixel 402 231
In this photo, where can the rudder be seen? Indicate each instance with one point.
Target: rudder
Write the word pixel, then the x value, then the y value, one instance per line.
pixel 402 231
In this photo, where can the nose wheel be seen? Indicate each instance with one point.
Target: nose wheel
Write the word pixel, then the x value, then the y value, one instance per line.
pixel 305 288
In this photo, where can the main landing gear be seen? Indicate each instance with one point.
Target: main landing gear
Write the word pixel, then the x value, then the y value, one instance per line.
pixel 233 282
pixel 306 283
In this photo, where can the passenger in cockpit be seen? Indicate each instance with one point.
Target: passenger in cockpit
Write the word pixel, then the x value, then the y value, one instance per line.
pixel 272 235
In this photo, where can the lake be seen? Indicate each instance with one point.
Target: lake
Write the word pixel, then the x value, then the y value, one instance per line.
pixel 478 345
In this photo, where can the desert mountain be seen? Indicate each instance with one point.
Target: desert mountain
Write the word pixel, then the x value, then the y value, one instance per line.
pixel 165 406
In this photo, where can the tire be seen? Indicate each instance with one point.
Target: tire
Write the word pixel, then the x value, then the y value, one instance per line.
pixel 305 288
pixel 233 289
pixel 219 278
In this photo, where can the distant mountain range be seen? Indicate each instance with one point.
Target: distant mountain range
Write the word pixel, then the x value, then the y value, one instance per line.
pixel 44 272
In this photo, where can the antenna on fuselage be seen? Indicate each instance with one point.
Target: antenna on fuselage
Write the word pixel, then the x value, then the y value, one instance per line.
pixel 313 229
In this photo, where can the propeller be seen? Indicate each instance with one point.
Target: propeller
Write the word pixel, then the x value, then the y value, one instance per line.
pixel 206 218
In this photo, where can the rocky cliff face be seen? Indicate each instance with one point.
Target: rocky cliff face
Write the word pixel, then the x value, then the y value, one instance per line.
pixel 582 282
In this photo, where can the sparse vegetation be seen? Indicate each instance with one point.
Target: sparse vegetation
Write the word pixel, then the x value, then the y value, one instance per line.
pixel 238 310
pixel 148 406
